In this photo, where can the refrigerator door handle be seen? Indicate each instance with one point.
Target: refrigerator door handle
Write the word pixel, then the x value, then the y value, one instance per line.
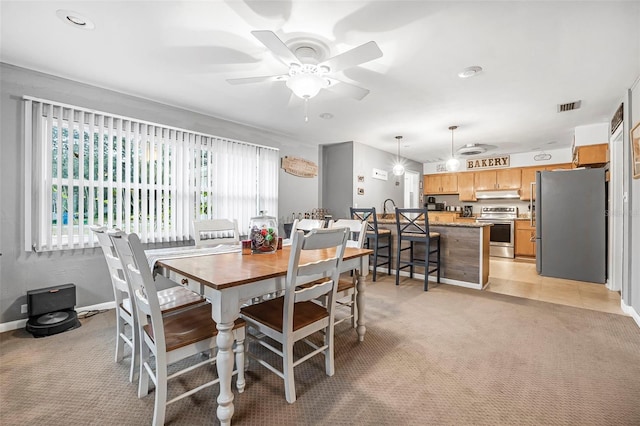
pixel 531 212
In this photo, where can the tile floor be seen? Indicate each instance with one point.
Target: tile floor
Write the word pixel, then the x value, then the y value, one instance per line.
pixel 517 277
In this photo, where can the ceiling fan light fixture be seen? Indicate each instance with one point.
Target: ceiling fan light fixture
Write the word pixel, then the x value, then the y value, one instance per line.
pixel 398 168
pixel 306 80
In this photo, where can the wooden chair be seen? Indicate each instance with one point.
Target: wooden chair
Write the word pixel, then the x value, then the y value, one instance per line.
pixel 410 229
pixel 170 338
pixel 306 225
pixel 295 316
pixel 212 232
pixel 381 238
pixel 347 286
pixel 173 297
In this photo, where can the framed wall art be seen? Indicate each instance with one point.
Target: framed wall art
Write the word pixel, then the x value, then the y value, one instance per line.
pixel 635 151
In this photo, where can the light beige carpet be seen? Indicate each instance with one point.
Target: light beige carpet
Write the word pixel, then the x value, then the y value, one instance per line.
pixel 450 356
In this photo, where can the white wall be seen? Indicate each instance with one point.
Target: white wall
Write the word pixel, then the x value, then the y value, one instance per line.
pixel 21 271
pixel 634 205
pixel 523 159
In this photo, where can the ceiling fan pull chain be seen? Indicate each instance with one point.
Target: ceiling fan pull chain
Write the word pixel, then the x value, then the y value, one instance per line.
pixel 306 110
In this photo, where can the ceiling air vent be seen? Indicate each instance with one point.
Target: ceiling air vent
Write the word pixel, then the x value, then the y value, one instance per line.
pixel 569 106
pixel 471 149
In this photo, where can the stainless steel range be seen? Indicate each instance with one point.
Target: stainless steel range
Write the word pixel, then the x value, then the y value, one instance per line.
pixel 501 239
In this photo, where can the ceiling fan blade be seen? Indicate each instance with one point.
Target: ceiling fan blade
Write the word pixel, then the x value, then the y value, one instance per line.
pixel 277 46
pixel 356 56
pixel 250 80
pixel 347 89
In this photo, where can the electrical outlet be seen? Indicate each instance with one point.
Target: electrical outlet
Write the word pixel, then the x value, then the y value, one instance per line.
pixel 23 309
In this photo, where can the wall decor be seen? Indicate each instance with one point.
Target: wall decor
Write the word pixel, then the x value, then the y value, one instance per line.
pixel 379 174
pixel 299 167
pixel 489 163
pixel 635 151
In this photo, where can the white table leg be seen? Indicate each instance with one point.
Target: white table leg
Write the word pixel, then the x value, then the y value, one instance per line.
pixel 224 362
pixel 360 286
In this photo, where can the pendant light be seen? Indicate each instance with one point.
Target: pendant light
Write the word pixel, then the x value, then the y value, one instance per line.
pixel 398 168
pixel 453 164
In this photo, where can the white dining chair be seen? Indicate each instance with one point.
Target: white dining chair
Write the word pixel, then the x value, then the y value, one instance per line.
pixel 296 315
pixel 306 225
pixel 347 286
pixel 212 232
pixel 173 297
pixel 170 338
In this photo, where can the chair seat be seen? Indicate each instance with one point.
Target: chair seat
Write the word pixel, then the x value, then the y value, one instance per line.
pixel 270 313
pixel 189 326
pixel 380 232
pixel 418 235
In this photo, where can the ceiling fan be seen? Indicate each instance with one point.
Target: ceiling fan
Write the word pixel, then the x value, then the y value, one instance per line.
pixel 308 72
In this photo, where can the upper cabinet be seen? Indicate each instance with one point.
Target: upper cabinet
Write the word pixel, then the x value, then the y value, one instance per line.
pixel 497 179
pixel 466 187
pixel 442 183
pixel 591 155
pixel 529 177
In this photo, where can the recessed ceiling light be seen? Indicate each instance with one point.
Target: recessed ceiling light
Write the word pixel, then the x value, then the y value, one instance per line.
pixel 326 115
pixel 75 19
pixel 469 71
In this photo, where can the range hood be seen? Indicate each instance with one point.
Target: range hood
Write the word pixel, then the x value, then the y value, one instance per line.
pixel 498 194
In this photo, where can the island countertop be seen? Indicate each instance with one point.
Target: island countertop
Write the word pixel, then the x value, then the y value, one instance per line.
pixel 456 224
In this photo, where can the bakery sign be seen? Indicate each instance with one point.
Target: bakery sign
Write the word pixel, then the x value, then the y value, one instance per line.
pixel 299 167
pixel 488 163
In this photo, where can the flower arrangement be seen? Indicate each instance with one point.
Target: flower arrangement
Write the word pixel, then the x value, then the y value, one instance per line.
pixel 263 239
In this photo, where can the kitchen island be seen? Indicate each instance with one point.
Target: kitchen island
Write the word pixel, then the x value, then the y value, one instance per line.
pixel 464 252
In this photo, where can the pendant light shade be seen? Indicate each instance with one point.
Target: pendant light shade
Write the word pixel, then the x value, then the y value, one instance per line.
pixel 453 164
pixel 398 168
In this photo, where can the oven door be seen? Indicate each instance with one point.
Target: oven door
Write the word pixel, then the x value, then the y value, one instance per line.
pixel 501 237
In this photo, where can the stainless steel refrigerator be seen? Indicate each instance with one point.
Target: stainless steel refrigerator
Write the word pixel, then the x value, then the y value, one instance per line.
pixel 571 223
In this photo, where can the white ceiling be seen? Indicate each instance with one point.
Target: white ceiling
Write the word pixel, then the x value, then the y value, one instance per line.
pixel 535 55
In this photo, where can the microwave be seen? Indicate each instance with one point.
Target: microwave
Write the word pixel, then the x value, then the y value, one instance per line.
pixel 435 207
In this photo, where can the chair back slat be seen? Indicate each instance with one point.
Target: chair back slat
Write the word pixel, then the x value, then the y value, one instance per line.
pixel 306 225
pixel 366 215
pixel 120 286
pixel 407 221
pixel 314 291
pixel 212 232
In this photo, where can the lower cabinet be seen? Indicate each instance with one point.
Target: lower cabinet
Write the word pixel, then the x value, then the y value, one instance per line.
pixel 525 239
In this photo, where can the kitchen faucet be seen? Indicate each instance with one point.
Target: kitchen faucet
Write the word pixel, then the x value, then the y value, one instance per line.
pixel 384 205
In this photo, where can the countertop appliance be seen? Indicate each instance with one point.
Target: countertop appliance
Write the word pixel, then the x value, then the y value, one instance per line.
pixel 571 222
pixel 431 200
pixel 502 233
pixel 435 207
pixel 467 211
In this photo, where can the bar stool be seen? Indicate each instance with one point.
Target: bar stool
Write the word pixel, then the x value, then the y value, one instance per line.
pixel 381 238
pixel 410 230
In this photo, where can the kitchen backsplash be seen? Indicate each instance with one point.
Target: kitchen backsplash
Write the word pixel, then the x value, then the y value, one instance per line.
pixel 453 200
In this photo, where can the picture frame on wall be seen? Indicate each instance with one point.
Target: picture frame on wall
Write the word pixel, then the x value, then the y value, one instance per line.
pixel 635 151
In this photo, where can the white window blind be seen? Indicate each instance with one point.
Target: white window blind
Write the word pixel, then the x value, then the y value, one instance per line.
pixel 84 167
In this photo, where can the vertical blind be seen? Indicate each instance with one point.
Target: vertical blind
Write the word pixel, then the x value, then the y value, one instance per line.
pixel 84 167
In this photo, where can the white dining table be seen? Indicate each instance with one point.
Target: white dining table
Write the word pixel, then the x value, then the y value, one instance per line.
pixel 230 279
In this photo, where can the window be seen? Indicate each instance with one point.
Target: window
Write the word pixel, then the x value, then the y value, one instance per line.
pixel 85 167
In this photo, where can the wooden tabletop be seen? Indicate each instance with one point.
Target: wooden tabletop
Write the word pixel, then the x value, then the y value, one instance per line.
pixel 220 271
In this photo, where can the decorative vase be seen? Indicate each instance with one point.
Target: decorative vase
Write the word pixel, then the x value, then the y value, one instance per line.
pixel 263 233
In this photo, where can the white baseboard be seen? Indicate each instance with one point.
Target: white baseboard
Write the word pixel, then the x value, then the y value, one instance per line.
pixel 434 279
pixel 14 325
pixel 630 311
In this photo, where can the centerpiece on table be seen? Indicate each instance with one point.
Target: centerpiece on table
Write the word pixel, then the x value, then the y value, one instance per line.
pixel 263 233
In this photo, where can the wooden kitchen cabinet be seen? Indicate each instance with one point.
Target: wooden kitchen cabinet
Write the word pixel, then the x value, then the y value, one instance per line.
pixel 525 239
pixel 446 217
pixel 442 183
pixel 498 179
pixel 528 176
pixel 466 187
pixel 591 155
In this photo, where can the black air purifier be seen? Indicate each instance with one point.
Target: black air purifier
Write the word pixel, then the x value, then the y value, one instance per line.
pixel 51 310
